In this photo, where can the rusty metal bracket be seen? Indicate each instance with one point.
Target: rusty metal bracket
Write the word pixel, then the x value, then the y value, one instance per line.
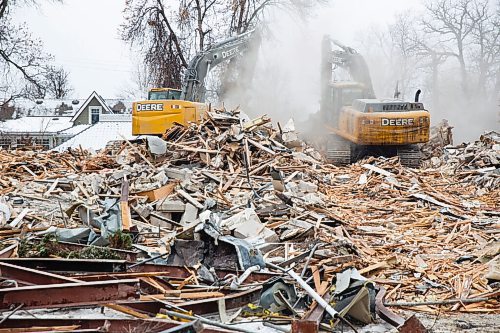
pixel 29 276
pixel 311 320
pixel 410 325
pixel 69 294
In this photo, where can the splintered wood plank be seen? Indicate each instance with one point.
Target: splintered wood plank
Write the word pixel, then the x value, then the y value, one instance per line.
pixel 159 193
pixel 128 311
pixel 316 277
pixel 379 265
pixel 189 198
pixel 124 207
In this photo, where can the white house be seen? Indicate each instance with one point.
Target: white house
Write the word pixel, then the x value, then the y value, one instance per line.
pixel 63 122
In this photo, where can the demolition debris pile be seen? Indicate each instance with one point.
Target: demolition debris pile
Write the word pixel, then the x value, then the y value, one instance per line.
pixel 235 218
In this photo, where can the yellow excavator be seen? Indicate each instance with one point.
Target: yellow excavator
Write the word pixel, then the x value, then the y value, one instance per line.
pixel 166 106
pixel 359 124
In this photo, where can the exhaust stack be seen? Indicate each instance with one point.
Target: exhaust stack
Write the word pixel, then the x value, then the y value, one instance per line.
pixel 417 95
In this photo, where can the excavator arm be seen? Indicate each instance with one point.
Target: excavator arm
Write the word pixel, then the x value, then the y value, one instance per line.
pixel 348 59
pixel 194 86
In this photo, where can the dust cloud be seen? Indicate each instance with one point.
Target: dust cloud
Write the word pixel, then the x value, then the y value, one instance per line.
pixel 286 80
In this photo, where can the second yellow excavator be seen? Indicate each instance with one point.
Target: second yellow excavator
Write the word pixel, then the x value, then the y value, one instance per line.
pixel 359 124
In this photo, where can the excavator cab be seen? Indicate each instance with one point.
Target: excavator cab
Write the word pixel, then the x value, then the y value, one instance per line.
pixel 344 94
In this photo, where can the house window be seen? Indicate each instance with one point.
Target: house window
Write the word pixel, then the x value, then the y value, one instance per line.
pixel 44 143
pixel 5 143
pixel 95 112
pixel 20 142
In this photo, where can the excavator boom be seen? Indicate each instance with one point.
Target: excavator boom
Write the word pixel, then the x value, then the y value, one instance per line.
pixel 194 79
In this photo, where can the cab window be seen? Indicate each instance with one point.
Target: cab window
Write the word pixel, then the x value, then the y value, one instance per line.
pixel 164 95
pixel 174 94
pixel 349 95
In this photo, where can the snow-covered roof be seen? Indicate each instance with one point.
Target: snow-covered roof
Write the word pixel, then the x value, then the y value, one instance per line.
pixel 98 135
pixel 36 124
pixel 44 107
pixel 74 130
pixel 48 106
pixel 111 102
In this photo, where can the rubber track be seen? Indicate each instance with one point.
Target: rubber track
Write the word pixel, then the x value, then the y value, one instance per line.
pixel 410 157
pixel 338 151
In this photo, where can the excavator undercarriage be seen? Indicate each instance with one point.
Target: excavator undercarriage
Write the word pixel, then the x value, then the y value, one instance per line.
pixel 340 151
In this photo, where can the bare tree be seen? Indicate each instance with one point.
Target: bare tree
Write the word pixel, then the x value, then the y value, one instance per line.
pixel 139 83
pixel 391 55
pixel 405 43
pixel 420 50
pixel 246 14
pixel 169 33
pixel 467 30
pixel 486 39
pixel 22 58
pixel 159 32
pixel 57 82
pixel 451 22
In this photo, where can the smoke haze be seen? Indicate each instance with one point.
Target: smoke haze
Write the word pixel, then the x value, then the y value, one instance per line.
pixel 286 80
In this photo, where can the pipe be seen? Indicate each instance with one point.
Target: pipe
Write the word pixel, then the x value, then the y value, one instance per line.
pixel 321 302
pixel 309 259
pixel 206 321
pixel 12 312
pixel 238 281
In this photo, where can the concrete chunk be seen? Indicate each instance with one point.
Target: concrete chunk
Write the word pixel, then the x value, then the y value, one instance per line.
pixel 181 174
pixel 244 224
pixel 158 222
pixel 171 206
pixel 308 187
pixel 190 214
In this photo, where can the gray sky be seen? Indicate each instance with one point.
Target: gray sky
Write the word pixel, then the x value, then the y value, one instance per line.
pixel 83 35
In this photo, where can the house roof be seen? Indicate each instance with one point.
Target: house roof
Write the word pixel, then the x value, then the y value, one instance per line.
pixel 49 106
pixel 86 103
pixel 111 102
pixel 74 130
pixel 109 128
pixel 45 107
pixel 36 124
